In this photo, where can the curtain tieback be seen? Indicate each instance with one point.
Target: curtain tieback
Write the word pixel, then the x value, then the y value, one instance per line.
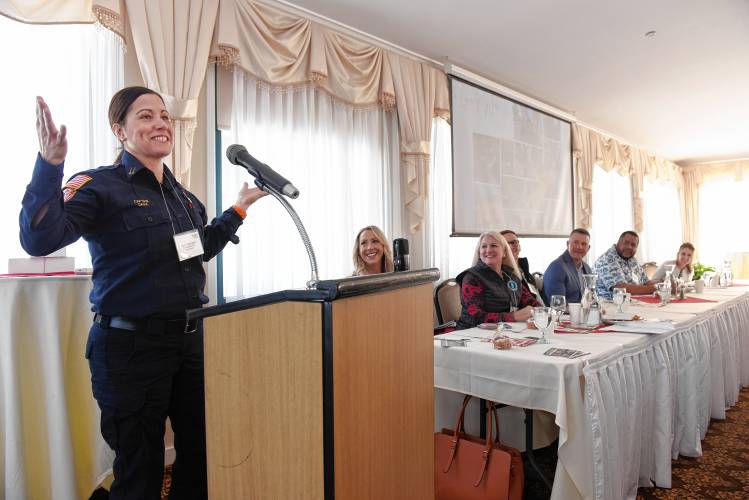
pixel 181 109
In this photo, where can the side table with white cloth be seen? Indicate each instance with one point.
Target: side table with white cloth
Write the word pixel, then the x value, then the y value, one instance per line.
pixel 50 442
pixel 631 405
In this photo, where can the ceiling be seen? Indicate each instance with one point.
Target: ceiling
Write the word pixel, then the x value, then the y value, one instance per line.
pixel 682 94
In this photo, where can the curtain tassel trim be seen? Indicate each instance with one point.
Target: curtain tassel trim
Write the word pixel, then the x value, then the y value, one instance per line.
pixel 109 19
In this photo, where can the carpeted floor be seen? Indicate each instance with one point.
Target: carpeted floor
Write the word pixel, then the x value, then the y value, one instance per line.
pixel 721 473
pixel 723 469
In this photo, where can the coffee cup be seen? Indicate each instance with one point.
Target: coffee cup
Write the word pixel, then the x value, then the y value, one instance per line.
pixel 575 313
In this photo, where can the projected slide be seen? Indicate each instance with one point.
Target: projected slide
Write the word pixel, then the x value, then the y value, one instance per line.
pixel 512 166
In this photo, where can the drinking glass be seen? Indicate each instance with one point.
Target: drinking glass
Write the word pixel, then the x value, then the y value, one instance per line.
pixel 619 295
pixel 664 292
pixel 541 319
pixel 558 304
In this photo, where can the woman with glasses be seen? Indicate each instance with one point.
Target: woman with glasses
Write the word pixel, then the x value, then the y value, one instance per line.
pixel 514 242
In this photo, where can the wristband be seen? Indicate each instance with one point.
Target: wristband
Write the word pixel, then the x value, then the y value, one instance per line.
pixel 240 211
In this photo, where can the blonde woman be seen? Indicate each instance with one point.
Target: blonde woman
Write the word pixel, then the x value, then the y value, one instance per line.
pixel 682 266
pixel 491 291
pixel 372 254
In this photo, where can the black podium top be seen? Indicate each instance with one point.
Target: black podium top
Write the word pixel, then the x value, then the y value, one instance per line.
pixel 326 291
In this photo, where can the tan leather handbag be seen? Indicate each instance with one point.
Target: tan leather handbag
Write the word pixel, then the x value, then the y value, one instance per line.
pixel 470 468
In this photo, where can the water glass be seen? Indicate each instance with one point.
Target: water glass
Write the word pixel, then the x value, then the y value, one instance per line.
pixel 541 318
pixel 558 305
pixel 664 292
pixel 619 295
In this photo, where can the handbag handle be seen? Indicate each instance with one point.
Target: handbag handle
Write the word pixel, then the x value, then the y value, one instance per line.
pixel 488 444
pixel 456 434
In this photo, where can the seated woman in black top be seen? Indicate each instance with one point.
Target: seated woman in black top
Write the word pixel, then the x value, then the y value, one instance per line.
pixel 491 292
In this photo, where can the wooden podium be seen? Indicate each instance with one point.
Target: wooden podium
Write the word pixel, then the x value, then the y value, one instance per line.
pixel 322 394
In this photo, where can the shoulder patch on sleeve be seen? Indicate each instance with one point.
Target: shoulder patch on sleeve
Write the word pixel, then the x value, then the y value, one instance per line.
pixel 73 185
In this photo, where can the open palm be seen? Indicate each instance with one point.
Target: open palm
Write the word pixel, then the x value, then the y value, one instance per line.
pixel 53 143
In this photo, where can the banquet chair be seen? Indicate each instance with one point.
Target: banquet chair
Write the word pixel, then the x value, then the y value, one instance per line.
pixel 447 301
pixel 649 268
pixel 539 282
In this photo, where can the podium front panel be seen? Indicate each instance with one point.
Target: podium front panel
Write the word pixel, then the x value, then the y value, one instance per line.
pixel 263 393
pixel 383 395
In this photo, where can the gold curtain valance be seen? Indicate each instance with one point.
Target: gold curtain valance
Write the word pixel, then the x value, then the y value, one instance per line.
pixel 591 148
pixel 105 12
pixel 735 169
pixel 285 51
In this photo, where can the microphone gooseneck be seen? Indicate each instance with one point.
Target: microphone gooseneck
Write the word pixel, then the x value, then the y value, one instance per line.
pixel 271 182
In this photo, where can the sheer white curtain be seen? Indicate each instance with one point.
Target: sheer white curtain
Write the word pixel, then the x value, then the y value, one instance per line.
pixel 344 162
pixel 76 68
pixel 661 232
pixel 612 210
pixel 724 204
pixel 450 254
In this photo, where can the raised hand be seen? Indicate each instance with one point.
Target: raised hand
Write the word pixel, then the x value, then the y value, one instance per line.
pixel 249 196
pixel 53 143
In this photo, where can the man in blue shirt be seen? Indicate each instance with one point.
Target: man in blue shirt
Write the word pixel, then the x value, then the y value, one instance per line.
pixel 564 274
pixel 618 268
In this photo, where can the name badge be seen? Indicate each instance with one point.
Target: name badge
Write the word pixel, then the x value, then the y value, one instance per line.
pixel 188 244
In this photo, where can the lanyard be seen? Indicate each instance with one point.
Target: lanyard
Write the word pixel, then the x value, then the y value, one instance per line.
pixel 513 291
pixel 167 206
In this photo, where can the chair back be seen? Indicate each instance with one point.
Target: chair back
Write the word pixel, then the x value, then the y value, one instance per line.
pixel 539 282
pixel 649 268
pixel 447 301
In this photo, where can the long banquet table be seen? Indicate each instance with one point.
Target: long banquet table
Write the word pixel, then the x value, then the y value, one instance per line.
pixel 632 405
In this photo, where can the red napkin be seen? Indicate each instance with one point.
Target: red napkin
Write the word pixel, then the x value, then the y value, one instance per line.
pixel 656 300
pixel 523 342
pixel 566 329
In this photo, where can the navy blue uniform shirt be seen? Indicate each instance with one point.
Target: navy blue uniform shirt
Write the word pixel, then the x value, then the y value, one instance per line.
pixel 129 226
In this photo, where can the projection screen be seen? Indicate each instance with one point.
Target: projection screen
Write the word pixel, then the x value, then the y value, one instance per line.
pixel 512 166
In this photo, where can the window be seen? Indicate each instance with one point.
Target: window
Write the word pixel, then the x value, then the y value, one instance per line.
pixel 76 68
pixel 612 210
pixel 723 234
pixel 661 232
pixel 344 162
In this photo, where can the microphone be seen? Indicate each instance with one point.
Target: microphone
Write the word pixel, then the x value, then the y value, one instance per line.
pixel 400 259
pixel 238 155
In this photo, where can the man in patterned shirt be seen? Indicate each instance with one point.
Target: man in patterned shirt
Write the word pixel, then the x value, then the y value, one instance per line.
pixel 618 267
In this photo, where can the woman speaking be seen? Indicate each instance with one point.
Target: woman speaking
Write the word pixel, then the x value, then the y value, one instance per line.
pixel 148 237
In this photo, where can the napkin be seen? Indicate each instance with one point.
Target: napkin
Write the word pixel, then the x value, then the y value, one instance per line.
pixel 646 326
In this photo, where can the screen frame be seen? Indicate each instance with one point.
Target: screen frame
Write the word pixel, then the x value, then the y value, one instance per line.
pixel 455 233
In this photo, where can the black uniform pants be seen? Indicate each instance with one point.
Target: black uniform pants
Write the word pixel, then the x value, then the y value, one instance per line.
pixel 139 378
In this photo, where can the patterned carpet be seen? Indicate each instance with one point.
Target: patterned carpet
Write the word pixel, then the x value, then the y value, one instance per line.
pixel 723 469
pixel 721 473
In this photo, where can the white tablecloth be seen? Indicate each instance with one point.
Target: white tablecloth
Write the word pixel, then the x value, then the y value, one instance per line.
pixel 625 410
pixel 50 444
